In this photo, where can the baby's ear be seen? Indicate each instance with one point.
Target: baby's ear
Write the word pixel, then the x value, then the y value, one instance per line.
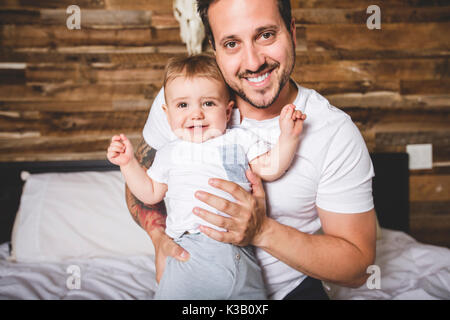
pixel 164 107
pixel 229 109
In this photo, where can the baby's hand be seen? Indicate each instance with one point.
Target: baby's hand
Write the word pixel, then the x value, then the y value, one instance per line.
pixel 120 151
pixel 291 121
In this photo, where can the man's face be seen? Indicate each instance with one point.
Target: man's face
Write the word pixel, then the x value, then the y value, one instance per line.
pixel 254 50
pixel 198 108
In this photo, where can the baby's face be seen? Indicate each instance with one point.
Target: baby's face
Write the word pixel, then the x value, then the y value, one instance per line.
pixel 198 108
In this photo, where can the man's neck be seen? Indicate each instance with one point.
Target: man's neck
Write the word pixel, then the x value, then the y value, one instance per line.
pixel 287 95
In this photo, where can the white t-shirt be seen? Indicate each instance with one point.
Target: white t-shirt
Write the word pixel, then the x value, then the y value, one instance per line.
pixel 186 167
pixel 331 170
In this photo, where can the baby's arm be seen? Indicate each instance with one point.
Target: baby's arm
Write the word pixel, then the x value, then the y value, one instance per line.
pixel 273 164
pixel 120 152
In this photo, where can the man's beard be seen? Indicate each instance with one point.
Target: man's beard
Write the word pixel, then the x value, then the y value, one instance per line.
pixel 283 80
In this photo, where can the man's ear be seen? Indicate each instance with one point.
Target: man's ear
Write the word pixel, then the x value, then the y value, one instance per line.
pixel 212 46
pixel 229 109
pixel 293 32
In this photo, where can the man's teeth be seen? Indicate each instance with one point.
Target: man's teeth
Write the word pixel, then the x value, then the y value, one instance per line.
pixel 260 78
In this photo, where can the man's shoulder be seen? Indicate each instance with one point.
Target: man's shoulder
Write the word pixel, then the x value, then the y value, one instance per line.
pixel 240 135
pixel 325 127
pixel 319 111
pixel 236 130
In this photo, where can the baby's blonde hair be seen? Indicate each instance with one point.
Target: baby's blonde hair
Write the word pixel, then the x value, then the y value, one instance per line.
pixel 200 65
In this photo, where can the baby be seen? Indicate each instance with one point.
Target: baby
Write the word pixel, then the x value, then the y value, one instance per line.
pixel 198 108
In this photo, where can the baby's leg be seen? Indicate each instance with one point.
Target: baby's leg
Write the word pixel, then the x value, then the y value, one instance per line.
pixel 208 274
pixel 249 283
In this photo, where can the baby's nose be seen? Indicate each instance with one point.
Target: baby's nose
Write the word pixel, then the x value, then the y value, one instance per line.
pixel 197 113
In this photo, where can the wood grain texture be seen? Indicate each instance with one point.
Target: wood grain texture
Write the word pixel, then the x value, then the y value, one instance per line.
pixel 53 4
pixel 53 36
pixel 358 15
pixel 395 36
pixel 434 188
pixel 362 4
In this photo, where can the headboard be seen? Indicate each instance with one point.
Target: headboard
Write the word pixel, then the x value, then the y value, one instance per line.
pixel 390 187
pixel 391 190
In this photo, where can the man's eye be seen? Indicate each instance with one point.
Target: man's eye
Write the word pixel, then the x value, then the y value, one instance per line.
pixel 230 45
pixel 267 35
pixel 182 105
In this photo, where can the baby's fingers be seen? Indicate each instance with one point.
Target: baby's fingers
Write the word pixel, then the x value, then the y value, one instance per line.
pixel 298 126
pixel 116 148
pixel 111 155
pixel 116 144
pixel 283 112
pixel 125 141
pixel 290 111
pixel 287 111
pixel 116 138
pixel 297 114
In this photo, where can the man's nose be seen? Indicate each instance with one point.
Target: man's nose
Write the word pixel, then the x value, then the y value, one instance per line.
pixel 253 58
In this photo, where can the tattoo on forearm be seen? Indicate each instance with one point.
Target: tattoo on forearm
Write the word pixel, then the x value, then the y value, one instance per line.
pixel 149 217
pixel 144 154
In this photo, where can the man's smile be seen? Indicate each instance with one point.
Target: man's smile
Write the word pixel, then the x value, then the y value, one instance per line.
pixel 260 79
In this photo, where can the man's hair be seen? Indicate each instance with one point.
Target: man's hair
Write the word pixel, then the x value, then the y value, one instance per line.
pixel 199 65
pixel 284 7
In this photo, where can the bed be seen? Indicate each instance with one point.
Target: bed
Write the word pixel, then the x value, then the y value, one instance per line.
pixel 65 233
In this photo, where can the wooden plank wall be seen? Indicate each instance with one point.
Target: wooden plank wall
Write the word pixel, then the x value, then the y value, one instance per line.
pixel 63 93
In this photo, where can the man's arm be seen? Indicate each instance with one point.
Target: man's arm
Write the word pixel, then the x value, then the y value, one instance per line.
pixel 341 255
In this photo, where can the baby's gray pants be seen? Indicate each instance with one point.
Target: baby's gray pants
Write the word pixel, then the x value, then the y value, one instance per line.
pixel 214 271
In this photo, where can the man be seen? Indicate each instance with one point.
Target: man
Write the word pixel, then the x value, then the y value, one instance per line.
pixel 328 186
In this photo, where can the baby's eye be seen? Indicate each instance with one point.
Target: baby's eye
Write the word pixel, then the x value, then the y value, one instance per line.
pixel 209 104
pixel 182 105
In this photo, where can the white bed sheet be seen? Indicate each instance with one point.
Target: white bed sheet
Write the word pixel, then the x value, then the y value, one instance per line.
pixel 125 278
pixel 409 270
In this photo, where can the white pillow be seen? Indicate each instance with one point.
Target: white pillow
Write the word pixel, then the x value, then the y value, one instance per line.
pixel 75 215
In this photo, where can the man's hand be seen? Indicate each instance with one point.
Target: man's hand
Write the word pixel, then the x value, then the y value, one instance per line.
pixel 166 247
pixel 247 215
